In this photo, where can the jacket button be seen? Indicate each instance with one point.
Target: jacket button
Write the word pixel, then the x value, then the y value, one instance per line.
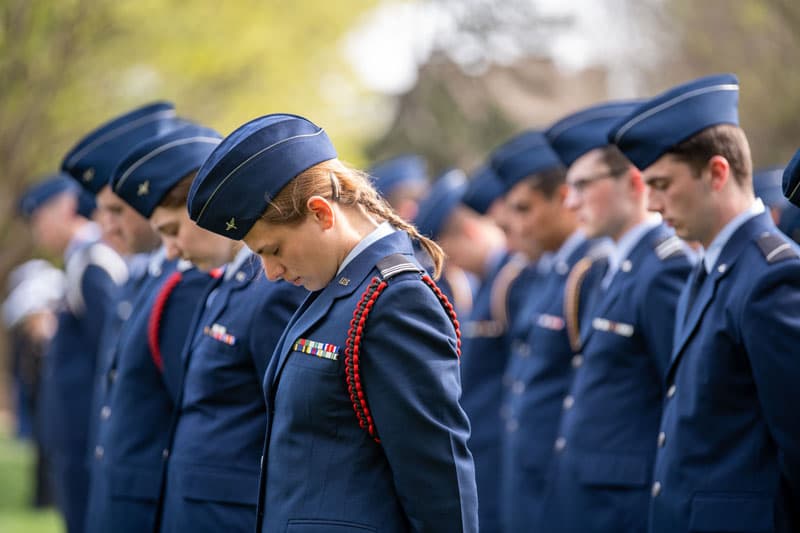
pixel 656 490
pixel 577 360
pixel 98 452
pixel 518 387
pixel 105 412
pixel 560 444
pixel 165 453
pixel 671 391
pixel 569 401
pixel 662 438
pixel 512 425
pixel 112 375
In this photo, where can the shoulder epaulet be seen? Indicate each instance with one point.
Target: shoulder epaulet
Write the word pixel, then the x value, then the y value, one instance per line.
pixel 670 246
pixel 776 248
pixel 395 264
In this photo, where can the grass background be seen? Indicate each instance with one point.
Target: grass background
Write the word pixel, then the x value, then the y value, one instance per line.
pixel 16 488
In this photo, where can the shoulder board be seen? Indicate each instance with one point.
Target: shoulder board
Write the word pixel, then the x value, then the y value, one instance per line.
pixel 776 248
pixel 669 247
pixel 395 264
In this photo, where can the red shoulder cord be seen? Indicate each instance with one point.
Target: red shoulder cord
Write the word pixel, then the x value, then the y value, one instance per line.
pixel 353 346
pixel 154 325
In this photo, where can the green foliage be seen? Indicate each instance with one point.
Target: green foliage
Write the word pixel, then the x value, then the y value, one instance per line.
pixel 66 65
pixel 16 474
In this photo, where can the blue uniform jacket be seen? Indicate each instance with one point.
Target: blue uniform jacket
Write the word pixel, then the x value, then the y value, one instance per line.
pixel 537 379
pixel 94 273
pixel 137 407
pixel 323 473
pixel 729 455
pixel 121 309
pixel 484 354
pixel 212 472
pixel 607 436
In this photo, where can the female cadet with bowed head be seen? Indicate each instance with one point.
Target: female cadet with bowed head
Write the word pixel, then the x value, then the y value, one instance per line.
pixel 365 431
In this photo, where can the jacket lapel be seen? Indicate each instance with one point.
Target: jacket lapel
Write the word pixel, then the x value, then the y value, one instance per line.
pixel 343 285
pixel 686 326
pixel 622 278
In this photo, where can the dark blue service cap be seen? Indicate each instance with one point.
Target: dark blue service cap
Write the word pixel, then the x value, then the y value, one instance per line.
pixel 93 160
pixel 39 194
pixel 790 222
pixel 401 170
pixel 791 180
pixel 438 205
pixel 767 186
pixel 250 167
pixel 674 116
pixel 155 166
pixel 524 155
pixel 483 189
pixel 585 130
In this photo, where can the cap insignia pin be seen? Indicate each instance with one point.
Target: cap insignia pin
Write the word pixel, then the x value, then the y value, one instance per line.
pixel 231 224
pixel 88 175
pixel 144 188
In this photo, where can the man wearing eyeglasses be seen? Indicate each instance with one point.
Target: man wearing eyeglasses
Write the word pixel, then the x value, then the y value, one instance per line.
pixel 608 433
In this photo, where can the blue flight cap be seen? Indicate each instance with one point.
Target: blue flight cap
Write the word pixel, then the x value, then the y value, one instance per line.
pixel 484 188
pixel 791 180
pixel 398 171
pixel 767 186
pixel 438 205
pixel 524 155
pixel 585 130
pixel 155 166
pixel 39 194
pixel 86 202
pixel 250 167
pixel 92 161
pixel 660 123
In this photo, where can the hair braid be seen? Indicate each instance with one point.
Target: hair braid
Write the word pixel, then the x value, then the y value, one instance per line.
pixel 348 187
pixel 376 205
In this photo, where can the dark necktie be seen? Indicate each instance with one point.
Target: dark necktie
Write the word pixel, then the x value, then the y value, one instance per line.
pixel 696 280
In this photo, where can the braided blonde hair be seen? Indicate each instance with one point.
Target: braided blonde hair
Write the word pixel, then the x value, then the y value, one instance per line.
pixel 347 186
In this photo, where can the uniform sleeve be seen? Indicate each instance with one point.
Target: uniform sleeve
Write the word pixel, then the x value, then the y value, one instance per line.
pixel 270 319
pixel 771 326
pixel 411 377
pixel 657 312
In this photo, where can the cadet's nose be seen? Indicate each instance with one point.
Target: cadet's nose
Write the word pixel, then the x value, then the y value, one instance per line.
pixel 272 269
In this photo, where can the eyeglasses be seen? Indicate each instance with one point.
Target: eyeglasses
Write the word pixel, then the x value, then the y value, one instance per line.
pixel 579 185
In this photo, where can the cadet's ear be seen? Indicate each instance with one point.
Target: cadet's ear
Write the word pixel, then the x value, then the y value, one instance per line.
pixel 322 211
pixel 720 170
pixel 635 178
